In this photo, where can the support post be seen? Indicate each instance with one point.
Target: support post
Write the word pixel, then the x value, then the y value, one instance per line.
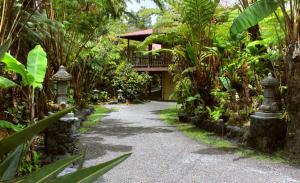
pixel 128 50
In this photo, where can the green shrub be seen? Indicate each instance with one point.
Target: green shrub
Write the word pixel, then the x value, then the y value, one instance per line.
pixel 131 82
pixel 104 96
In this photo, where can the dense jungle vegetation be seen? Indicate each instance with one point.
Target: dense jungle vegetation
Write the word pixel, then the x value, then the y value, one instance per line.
pixel 220 54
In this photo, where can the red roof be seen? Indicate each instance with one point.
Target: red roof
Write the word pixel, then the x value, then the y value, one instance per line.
pixel 138 35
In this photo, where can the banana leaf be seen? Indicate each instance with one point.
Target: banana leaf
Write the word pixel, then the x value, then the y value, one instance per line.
pixel 37 65
pixel 6 83
pixel 13 65
pixel 13 141
pixel 253 15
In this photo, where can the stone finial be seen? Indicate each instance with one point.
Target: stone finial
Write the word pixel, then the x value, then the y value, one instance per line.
pixel 62 75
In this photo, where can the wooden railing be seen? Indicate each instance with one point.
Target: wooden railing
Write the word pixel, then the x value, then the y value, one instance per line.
pixel 140 60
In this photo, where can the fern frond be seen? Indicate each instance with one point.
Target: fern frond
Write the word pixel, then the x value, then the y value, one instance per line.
pixel 198 13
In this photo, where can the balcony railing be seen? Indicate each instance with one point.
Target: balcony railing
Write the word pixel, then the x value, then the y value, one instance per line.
pixel 140 60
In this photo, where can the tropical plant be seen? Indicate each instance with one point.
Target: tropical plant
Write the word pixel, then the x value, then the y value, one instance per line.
pixel 289 25
pixel 12 149
pixel 130 81
pixel 32 76
pixel 253 15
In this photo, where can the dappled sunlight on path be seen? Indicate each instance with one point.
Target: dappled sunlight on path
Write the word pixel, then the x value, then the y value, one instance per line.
pixel 163 154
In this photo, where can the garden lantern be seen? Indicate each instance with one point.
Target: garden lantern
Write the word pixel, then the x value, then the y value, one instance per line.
pixel 120 96
pixel 269 104
pixel 63 136
pixel 62 77
pixel 96 95
pixel 267 130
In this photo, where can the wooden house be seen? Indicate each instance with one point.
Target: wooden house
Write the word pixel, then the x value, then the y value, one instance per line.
pixel 156 65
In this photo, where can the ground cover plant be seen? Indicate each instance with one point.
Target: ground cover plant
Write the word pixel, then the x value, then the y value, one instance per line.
pixel 214 141
pixel 95 118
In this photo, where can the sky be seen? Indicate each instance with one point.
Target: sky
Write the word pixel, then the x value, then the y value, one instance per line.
pixel 134 6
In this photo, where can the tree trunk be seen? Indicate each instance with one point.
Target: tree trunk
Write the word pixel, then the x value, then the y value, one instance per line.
pixel 293 104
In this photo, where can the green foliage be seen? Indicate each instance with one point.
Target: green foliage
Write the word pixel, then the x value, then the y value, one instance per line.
pixel 36 67
pixel 8 125
pixel 29 165
pixel 185 95
pixel 28 133
pixel 170 116
pixel 49 172
pixel 215 113
pixel 104 96
pixel 253 15
pixel 9 165
pixel 6 83
pixel 183 90
pixel 94 118
pixel 131 82
pixel 3 49
pixel 198 13
pixel 91 174
pixel 226 83
pixel 13 65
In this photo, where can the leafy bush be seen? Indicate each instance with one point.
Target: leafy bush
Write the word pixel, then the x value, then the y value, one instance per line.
pixel 104 96
pixel 186 95
pixel 131 82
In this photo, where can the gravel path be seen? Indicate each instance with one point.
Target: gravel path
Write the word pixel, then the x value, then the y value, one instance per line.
pixel 161 154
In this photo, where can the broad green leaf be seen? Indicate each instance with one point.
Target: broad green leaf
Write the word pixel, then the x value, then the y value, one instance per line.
pixel 226 83
pixel 37 65
pixel 11 142
pixel 9 125
pixel 50 171
pixel 191 99
pixel 90 174
pixel 6 83
pixel 8 168
pixel 13 65
pixel 4 48
pixel 253 15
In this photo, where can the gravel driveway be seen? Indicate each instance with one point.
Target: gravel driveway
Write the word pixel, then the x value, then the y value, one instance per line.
pixel 161 154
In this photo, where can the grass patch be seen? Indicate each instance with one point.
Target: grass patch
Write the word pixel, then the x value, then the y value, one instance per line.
pixel 277 157
pixel 95 118
pixel 171 117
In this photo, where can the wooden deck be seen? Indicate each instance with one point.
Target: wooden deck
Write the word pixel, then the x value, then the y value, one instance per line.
pixel 150 62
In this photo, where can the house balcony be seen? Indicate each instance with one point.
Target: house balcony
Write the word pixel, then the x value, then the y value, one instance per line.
pixel 150 63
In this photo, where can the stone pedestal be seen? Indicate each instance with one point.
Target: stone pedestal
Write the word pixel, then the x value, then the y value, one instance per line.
pixel 183 117
pixel 63 138
pixel 267 132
